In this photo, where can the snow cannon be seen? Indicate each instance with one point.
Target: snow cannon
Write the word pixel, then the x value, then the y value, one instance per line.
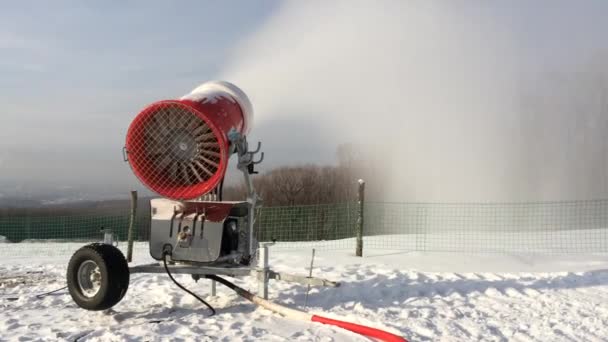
pixel 180 148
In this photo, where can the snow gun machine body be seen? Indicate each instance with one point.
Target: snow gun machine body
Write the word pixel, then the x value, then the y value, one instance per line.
pixel 180 150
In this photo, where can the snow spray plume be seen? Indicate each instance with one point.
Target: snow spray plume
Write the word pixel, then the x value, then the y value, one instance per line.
pixel 428 89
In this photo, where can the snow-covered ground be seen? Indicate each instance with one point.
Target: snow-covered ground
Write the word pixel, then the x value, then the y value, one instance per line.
pixel 422 296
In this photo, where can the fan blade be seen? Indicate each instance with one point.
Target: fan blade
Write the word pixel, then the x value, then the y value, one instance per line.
pixel 183 120
pixel 164 162
pixel 185 173
pixel 200 129
pixel 194 122
pixel 208 161
pixel 210 153
pixel 151 134
pixel 204 137
pixel 157 126
pixel 203 168
pixel 166 120
pixel 198 176
pixel 208 144
pixel 173 171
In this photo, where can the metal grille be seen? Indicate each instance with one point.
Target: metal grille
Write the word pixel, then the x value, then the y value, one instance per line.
pixel 173 150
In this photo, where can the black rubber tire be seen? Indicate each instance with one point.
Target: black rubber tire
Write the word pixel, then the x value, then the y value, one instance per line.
pixel 114 276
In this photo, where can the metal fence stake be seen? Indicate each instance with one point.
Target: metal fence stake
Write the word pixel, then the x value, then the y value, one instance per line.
pixel 359 251
pixel 312 261
pixel 262 270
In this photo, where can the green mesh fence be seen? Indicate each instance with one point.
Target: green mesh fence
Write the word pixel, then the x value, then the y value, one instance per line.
pixel 564 227
pixel 329 226
pixel 46 232
pixel 548 227
pixel 85 225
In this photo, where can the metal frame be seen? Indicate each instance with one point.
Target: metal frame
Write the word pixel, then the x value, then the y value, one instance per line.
pixel 245 165
pixel 262 270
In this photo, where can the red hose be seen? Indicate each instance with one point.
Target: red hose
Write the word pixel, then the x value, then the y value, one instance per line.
pixel 303 316
pixel 360 329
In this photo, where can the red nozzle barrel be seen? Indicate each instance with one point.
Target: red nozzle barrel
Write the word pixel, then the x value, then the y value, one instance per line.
pixel 180 148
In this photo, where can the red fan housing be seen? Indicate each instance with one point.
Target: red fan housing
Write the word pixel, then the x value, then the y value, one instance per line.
pixel 180 148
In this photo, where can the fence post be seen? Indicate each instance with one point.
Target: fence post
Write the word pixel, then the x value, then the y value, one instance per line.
pixel 361 198
pixel 130 236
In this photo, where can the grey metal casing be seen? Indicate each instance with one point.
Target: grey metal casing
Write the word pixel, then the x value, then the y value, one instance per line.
pixel 204 220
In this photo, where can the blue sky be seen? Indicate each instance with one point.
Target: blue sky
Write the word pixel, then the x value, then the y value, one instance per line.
pixel 67 45
pixel 115 48
pixel 72 74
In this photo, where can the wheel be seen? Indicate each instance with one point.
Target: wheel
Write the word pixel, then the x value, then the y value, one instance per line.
pixel 98 276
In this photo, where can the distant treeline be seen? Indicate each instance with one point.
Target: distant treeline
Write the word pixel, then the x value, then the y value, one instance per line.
pixel 300 185
pixel 312 184
pixel 72 208
pixel 331 189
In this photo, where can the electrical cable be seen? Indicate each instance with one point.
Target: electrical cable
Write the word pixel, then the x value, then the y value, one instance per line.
pixel 183 288
pixel 50 292
pixel 38 296
pixel 221 190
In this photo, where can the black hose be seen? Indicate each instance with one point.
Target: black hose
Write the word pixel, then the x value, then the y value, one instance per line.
pixel 183 288
pixel 221 281
pixel 239 290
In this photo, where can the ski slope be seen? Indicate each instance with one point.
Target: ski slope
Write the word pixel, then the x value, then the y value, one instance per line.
pixel 422 296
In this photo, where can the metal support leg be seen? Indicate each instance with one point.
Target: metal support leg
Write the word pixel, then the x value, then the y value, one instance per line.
pixel 263 272
pixel 213 288
pixel 108 237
